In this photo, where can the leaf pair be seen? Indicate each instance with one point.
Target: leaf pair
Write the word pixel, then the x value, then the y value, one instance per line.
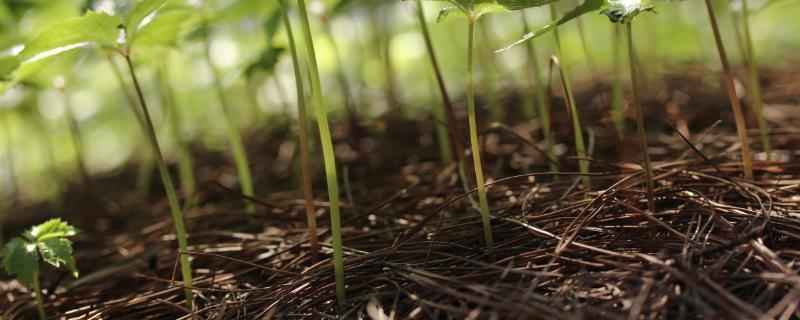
pixel 48 240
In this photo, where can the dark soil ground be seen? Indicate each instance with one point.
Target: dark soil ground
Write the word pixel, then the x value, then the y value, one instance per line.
pixel 718 247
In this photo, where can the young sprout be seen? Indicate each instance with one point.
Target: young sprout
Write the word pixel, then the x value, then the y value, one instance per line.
pixel 474 10
pixel 736 106
pixel 234 138
pixel 102 30
pixel 302 121
pixel 580 147
pixel 47 241
pixel 754 86
pixel 328 156
pixel 456 145
pixel 624 12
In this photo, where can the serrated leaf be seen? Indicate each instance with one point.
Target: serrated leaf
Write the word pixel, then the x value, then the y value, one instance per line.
pixel 21 260
pixel 58 252
pixel 138 13
pixel 98 28
pixel 586 7
pixel 53 228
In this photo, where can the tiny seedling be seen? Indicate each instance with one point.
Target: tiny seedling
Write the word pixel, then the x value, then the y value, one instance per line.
pixel 234 138
pixel 328 156
pixel 754 88
pixel 47 241
pixel 104 30
pixel 736 106
pixel 474 10
pixel 302 122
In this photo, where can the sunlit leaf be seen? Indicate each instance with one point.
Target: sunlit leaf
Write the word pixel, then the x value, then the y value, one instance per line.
pixel 21 260
pixel 477 8
pixel 98 28
pixel 7 65
pixel 586 7
pixel 138 13
pixel 623 11
pixel 58 252
pixel 167 28
pixel 53 228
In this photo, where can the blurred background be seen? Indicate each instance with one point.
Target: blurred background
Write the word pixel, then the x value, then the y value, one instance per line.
pixel 374 48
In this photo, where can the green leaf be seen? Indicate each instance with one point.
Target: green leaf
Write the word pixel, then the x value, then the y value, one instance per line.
pixel 98 28
pixel 20 259
pixel 167 28
pixel 53 228
pixel 7 65
pixel 58 252
pixel 586 7
pixel 138 13
pixel 476 8
pixel 623 11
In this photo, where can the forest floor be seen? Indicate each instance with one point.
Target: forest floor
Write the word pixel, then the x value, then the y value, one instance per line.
pixel 717 247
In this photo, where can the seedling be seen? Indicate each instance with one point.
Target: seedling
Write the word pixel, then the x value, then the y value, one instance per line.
pixel 302 122
pixel 580 147
pixel 474 10
pixel 738 116
pixel 234 138
pixel 754 87
pixel 328 155
pixel 47 241
pixel 102 30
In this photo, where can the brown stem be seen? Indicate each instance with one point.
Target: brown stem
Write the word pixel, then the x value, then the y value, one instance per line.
pixel 640 130
pixel 738 116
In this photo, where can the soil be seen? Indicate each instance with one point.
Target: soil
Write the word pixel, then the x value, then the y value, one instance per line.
pixel 717 247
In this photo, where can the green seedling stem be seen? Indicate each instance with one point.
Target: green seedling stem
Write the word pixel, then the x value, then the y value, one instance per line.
pixel 234 138
pixel 185 163
pixel 38 292
pixel 736 106
pixel 756 101
pixel 583 163
pixel 328 157
pixel 540 99
pixel 617 99
pixel 640 129
pixel 302 121
pixel 474 145
pixel 175 208
pixel 449 113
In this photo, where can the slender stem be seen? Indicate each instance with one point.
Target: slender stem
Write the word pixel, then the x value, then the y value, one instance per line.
pixel 449 113
pixel 755 87
pixel 583 163
pixel 302 121
pixel 328 157
pixel 185 163
pixel 175 208
pixel 37 290
pixel 617 100
pixel 541 101
pixel 640 129
pixel 234 138
pixel 474 145
pixel 738 116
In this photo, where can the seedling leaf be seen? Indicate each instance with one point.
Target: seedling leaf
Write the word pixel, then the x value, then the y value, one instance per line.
pixel 476 8
pixel 166 28
pixel 7 65
pixel 53 228
pixel 20 259
pixel 586 7
pixel 266 61
pixel 139 13
pixel 98 28
pixel 58 252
